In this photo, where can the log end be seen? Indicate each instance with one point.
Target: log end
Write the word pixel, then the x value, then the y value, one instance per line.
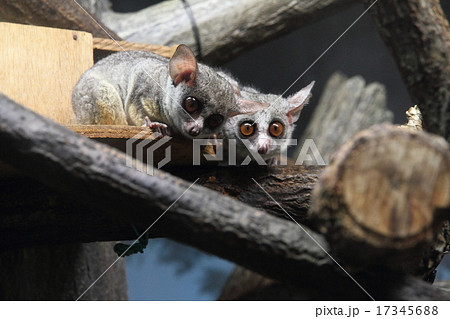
pixel 385 194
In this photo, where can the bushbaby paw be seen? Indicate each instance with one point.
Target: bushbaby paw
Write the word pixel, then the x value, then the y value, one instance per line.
pixel 158 127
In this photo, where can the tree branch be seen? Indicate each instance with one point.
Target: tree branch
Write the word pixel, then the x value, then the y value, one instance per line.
pixel 31 200
pixel 346 107
pixel 96 176
pixel 62 272
pixel 386 195
pixel 53 13
pixel 291 185
pixel 418 36
pixel 226 28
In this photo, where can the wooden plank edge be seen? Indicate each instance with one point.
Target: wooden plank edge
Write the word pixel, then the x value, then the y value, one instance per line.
pixel 112 131
pixel 111 46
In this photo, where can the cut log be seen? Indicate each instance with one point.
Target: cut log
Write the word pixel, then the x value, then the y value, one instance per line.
pixel 384 197
pixel 418 36
pixel 226 28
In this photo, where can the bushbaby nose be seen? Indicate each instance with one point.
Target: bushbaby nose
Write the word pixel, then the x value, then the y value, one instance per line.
pixel 263 149
pixel 194 131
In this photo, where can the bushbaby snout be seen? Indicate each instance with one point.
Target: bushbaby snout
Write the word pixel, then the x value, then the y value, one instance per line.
pixel 193 128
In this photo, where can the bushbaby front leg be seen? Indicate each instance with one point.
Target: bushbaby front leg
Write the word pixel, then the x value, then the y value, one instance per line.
pixel 161 128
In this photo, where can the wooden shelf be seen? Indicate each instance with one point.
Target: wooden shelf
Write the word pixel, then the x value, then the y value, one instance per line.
pixel 103 47
pixel 109 131
pixel 44 84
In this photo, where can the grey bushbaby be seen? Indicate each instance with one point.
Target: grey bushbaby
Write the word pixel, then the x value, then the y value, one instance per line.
pixel 142 88
pixel 265 131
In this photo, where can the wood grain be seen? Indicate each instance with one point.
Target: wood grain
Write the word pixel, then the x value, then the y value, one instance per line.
pixel 386 195
pixel 39 67
pixel 103 47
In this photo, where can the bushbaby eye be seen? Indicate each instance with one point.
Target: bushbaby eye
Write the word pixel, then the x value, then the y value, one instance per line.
pixel 191 104
pixel 247 129
pixel 214 121
pixel 276 129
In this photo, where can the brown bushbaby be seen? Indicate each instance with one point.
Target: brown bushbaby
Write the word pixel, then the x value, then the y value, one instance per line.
pixel 268 128
pixel 142 88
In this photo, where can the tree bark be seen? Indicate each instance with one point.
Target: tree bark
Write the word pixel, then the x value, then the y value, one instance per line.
pixel 32 273
pixel 418 36
pixel 225 28
pixel 291 185
pixel 346 107
pixel 386 195
pixel 61 272
pixel 23 199
pixel 53 13
pixel 97 176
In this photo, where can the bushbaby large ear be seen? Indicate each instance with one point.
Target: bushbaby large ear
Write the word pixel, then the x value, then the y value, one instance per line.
pixel 298 101
pixel 247 107
pixel 236 90
pixel 183 66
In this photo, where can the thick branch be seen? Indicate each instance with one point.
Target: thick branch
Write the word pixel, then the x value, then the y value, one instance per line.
pixel 385 196
pixel 56 216
pixel 290 185
pixel 418 35
pixel 62 272
pixel 346 107
pixel 96 176
pixel 226 28
pixel 53 13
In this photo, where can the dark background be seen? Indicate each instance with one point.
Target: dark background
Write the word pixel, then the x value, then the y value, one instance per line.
pixel 169 271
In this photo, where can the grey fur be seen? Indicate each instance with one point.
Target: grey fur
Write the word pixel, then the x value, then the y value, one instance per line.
pixel 126 87
pixel 266 108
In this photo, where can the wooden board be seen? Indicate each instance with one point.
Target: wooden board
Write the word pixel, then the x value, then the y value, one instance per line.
pixel 115 46
pixel 39 67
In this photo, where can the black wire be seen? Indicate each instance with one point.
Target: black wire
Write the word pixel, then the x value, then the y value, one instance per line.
pixel 194 26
